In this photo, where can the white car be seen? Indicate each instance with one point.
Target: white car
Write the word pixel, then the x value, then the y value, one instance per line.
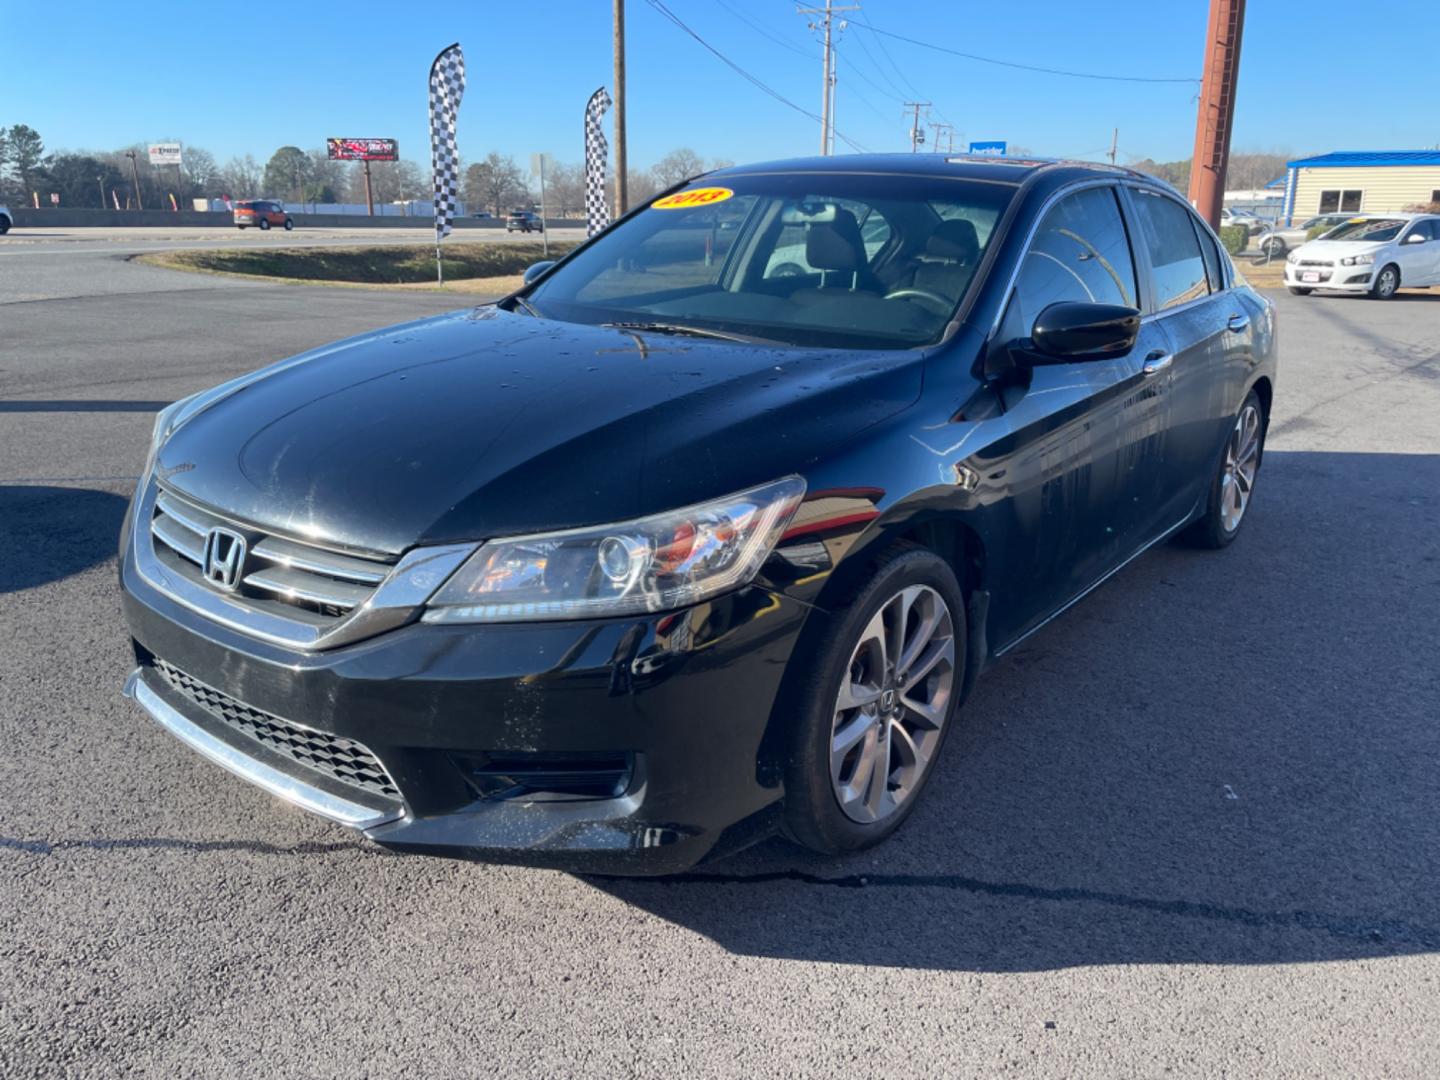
pixel 1369 253
pixel 5 220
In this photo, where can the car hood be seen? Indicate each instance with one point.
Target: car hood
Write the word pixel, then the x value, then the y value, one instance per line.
pixel 1340 249
pixel 485 423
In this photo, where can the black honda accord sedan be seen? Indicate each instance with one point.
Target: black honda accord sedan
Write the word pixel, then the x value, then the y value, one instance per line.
pixel 706 532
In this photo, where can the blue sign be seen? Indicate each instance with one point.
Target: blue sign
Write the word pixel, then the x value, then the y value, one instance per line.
pixel 988 149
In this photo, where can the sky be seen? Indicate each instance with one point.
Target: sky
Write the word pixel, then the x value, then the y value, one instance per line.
pixel 301 73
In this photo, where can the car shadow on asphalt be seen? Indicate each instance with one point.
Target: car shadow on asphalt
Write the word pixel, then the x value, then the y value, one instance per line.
pixel 49 533
pixel 79 405
pixel 1219 757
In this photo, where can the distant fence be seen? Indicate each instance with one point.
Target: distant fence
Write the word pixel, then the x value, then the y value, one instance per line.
pixel 61 218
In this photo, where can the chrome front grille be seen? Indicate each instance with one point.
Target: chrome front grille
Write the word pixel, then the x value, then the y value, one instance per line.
pixel 339 758
pixel 300 581
pixel 1316 262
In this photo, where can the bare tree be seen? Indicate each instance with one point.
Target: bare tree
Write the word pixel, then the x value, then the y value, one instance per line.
pixel 494 182
pixel 676 166
pixel 240 177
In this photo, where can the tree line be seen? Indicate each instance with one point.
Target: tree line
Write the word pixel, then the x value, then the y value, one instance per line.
pixel 498 183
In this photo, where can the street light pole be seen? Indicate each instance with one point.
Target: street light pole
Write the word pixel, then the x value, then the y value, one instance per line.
pixel 135 178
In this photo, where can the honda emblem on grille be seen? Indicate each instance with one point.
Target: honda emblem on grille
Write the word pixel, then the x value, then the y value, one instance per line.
pixel 224 558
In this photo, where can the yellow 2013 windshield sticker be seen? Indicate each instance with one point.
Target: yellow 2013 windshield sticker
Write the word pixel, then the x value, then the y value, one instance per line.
pixel 700 196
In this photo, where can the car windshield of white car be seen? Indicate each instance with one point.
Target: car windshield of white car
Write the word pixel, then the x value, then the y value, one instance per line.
pixel 1367 230
pixel 865 261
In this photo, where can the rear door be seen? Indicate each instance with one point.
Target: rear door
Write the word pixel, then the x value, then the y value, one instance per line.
pixel 1190 304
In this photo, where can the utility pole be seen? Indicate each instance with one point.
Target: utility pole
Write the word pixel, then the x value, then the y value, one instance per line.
pixel 1114 145
pixel 917 133
pixel 135 178
pixel 827 70
pixel 1217 108
pixel 622 195
pixel 947 133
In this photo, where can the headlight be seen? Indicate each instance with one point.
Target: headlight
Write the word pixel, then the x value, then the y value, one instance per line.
pixel 1357 260
pixel 1292 258
pixel 653 564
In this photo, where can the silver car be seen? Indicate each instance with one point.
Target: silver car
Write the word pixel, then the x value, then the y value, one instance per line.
pixel 1276 242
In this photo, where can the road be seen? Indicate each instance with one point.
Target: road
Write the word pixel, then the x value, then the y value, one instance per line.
pixel 1193 827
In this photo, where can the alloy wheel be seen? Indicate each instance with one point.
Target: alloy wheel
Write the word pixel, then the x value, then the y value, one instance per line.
pixel 1242 460
pixel 1386 285
pixel 892 704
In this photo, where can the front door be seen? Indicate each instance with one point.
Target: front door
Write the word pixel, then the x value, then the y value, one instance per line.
pixel 1083 457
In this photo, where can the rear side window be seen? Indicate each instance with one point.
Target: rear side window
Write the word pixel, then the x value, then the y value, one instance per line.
pixel 1214 267
pixel 1080 253
pixel 1175 257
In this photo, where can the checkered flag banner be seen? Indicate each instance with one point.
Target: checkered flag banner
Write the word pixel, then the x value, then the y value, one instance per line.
pixel 597 207
pixel 447 87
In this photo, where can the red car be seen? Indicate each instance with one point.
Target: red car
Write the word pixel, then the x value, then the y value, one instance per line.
pixel 261 214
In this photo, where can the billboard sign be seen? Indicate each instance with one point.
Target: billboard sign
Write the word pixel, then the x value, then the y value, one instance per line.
pixel 165 153
pixel 993 148
pixel 363 149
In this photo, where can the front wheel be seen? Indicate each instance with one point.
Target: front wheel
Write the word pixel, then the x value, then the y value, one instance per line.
pixel 289 224
pixel 1385 284
pixel 1234 483
pixel 264 225
pixel 1274 248
pixel 4 225
pixel 1296 291
pixel 878 696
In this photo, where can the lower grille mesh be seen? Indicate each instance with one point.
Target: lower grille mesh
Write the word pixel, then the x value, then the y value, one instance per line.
pixel 340 759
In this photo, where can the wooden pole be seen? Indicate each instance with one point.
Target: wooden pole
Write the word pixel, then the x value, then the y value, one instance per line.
pixel 622 197
pixel 1217 108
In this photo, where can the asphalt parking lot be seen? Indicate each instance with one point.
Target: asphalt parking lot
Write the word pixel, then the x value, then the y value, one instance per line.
pixel 1191 828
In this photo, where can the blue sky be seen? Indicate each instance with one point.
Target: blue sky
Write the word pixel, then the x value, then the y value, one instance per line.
pixel 360 69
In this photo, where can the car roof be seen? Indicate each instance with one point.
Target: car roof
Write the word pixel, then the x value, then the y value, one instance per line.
pixel 950 166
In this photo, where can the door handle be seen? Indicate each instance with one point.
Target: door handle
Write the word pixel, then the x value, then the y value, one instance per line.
pixel 1157 362
pixel 1238 322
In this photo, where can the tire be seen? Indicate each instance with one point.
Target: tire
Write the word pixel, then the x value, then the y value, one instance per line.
pixel 289 224
pixel 264 225
pixel 846 657
pixel 1386 282
pixel 1297 291
pixel 1274 248
pixel 240 227
pixel 4 225
pixel 1221 523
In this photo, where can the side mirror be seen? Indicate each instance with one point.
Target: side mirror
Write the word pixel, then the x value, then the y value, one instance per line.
pixel 1071 332
pixel 534 270
pixel 1415 238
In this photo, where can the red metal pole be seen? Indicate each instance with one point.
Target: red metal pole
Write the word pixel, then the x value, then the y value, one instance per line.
pixel 1217 108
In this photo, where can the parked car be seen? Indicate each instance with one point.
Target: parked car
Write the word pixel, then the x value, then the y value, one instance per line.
pixel 1370 253
pixel 262 213
pixel 1276 241
pixel 731 552
pixel 5 220
pixel 483 215
pixel 1253 222
pixel 524 221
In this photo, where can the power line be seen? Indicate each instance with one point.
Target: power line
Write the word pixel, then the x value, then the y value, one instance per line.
pixel 766 33
pixel 659 6
pixel 1010 64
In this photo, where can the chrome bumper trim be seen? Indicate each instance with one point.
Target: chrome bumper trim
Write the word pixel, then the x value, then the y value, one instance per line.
pixel 274 781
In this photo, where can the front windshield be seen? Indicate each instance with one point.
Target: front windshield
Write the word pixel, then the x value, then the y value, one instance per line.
pixel 854 261
pixel 1367 230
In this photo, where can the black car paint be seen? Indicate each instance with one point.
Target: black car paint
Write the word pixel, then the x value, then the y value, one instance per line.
pixel 1038 482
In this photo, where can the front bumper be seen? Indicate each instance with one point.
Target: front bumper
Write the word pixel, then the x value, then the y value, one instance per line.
pixel 687 698
pixel 1337 277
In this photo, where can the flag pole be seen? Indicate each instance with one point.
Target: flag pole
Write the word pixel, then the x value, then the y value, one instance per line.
pixel 447 87
pixel 439 269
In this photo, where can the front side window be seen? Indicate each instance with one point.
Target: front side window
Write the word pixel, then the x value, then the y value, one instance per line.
pixel 850 261
pixel 1175 258
pixel 1080 252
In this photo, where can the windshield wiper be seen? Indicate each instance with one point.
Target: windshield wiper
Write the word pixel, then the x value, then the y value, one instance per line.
pixel 530 309
pixel 676 328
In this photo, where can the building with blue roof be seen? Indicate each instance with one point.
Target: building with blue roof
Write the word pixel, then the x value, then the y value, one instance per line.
pixel 1361 182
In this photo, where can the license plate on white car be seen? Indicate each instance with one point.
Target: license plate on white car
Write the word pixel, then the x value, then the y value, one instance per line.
pixel 1310 275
